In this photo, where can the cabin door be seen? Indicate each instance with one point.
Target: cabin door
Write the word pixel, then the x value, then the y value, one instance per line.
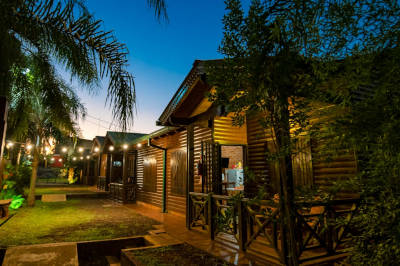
pixel 211 167
pixel 131 167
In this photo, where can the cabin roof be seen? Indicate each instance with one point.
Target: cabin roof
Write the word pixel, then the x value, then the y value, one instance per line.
pixel 118 138
pixel 100 140
pixel 156 134
pixel 187 86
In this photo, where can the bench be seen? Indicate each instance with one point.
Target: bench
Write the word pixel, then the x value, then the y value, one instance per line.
pixel 4 204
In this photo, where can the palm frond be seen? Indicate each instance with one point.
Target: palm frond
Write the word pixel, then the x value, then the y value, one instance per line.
pixel 160 8
pixel 76 40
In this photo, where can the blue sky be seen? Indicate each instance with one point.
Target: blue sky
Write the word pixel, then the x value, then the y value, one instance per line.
pixel 161 54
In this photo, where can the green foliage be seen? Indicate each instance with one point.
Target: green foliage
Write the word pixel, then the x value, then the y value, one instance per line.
pixel 9 192
pixel 344 53
pixel 19 176
pixel 67 32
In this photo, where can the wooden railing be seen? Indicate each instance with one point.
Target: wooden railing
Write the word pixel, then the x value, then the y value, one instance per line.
pixel 322 227
pixel 102 183
pixel 122 192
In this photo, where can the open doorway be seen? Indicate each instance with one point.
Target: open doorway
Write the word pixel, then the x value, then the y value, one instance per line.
pixel 233 160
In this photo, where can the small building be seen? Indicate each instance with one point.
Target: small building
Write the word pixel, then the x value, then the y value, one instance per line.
pixel 199 158
pixel 115 158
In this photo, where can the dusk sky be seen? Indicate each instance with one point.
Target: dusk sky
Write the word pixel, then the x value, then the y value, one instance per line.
pixel 161 54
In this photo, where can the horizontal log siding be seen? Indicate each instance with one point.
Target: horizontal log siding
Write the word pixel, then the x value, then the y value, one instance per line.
pixel 225 133
pixel 257 138
pixel 329 167
pixel 154 198
pixel 200 134
pixel 175 142
pixel 171 142
pixel 330 162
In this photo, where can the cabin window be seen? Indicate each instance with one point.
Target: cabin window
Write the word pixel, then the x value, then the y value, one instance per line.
pixel 178 173
pixel 150 174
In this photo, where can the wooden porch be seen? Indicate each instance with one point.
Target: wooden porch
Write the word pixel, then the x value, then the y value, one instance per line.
pixel 322 227
pixel 174 225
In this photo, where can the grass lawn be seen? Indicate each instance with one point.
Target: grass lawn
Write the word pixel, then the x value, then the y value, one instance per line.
pixel 73 220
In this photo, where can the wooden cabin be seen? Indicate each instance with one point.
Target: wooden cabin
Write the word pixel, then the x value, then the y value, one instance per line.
pixel 224 150
pixel 216 154
pixel 116 162
pixel 93 162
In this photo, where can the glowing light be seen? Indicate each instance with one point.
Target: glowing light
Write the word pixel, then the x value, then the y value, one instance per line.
pixel 111 148
pixel 64 149
pixel 10 144
pixel 73 158
pixel 125 146
pixel 96 149
pixel 46 148
pixel 81 158
pixel 29 156
pixel 29 147
pixel 139 145
pixel 80 149
pixel 88 157
pixel 60 160
pixel 52 159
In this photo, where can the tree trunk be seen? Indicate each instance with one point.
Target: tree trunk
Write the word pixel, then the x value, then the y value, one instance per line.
pixel 286 187
pixel 35 164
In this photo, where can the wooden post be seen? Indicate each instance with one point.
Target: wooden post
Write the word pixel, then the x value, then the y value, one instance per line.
pixel 3 123
pixel 242 226
pixel 108 171
pixel 190 171
pixel 330 231
pixel 211 224
pixel 124 175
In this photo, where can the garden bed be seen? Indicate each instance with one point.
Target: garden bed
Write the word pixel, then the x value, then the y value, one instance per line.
pixel 181 254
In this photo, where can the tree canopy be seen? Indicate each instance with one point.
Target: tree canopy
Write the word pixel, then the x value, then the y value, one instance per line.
pixel 283 55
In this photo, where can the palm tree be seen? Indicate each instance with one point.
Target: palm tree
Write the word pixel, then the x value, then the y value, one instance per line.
pixel 37 115
pixel 66 32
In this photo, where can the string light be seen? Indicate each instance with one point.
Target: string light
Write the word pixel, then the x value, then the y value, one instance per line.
pixel 9 145
pixel 139 145
pixel 125 146
pixel 81 158
pixel 80 149
pixel 60 160
pixel 111 148
pixel 29 147
pixel 96 149
pixel 88 157
pixel 64 149
pixel 46 148
pixel 52 159
pixel 29 156
pixel 73 158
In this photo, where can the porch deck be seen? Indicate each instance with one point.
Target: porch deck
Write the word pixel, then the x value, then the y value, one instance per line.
pixel 174 224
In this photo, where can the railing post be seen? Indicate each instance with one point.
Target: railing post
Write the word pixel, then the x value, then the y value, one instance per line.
pixel 330 229
pixel 242 226
pixel 211 223
pixel 190 212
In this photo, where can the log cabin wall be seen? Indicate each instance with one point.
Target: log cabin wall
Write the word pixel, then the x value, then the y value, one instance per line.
pixel 225 133
pixel 173 142
pixel 331 163
pixel 257 148
pixel 154 198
